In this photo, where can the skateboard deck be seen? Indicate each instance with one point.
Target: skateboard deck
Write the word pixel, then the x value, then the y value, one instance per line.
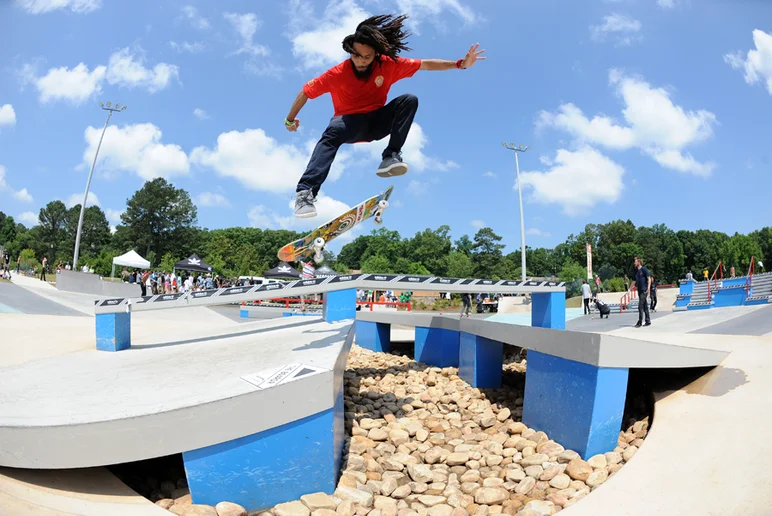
pixel 305 247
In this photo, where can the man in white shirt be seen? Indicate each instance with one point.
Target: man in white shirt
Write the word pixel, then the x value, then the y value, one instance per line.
pixel 586 295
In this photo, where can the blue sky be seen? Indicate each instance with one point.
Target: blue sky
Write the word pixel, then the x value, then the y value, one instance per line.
pixel 652 110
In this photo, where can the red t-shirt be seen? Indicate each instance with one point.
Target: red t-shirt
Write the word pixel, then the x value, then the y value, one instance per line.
pixel 351 95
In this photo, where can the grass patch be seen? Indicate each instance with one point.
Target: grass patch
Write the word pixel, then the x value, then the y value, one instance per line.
pixel 574 302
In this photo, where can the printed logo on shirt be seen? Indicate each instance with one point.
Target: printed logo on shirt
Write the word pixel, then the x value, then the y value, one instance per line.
pixel 311 83
pixel 379 81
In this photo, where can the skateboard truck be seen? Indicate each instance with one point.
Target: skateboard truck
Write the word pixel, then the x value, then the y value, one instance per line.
pixel 382 205
pixel 318 248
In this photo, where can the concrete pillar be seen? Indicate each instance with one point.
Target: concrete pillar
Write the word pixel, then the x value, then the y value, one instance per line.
pixel 548 310
pixel 438 347
pixel 340 305
pixel 113 331
pixel 576 404
pixel 273 466
pixel 480 361
pixel 373 336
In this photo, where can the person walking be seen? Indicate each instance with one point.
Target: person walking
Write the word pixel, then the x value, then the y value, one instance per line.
pixel 359 87
pixel 643 284
pixel 586 295
pixel 654 284
pixel 466 305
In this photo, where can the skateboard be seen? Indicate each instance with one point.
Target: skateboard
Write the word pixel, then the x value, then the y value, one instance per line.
pixel 314 242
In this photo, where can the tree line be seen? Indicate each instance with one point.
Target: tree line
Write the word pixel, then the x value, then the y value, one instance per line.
pixel 160 222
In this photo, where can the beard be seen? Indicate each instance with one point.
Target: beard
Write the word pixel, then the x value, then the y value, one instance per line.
pixel 362 75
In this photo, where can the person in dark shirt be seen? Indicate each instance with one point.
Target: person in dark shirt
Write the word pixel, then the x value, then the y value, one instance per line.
pixel 653 295
pixel 643 284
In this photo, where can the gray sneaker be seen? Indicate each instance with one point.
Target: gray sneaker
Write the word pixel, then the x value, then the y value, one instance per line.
pixel 304 204
pixel 392 166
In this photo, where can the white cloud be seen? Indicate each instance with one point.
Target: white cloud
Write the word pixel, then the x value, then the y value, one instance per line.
pixel 196 20
pixel 757 63
pixel 321 46
pixel 577 181
pixel 255 159
pixel 7 115
pixel 21 195
pixel 412 152
pixel 111 215
pixel 28 218
pixel 200 114
pixel 46 6
pixel 123 69
pixel 77 198
pixel 135 148
pixel 537 232
pixel 666 4
pixel 489 174
pixel 477 224
pixel 655 125
pixel 185 46
pixel 327 209
pixel 74 85
pixel 246 25
pixel 79 84
pixel 212 199
pixel 624 28
pixel 420 10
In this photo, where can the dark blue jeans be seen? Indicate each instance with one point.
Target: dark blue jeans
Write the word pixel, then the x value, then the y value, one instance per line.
pixel 395 119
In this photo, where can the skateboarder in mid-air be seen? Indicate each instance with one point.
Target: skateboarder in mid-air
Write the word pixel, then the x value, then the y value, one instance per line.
pixel 359 87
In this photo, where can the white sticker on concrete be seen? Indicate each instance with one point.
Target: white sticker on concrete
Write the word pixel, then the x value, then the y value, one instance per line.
pixel 279 375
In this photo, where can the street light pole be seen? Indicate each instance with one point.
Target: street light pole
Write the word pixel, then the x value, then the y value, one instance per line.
pixel 518 149
pixel 110 111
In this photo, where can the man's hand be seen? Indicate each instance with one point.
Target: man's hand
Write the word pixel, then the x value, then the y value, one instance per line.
pixel 472 56
pixel 292 127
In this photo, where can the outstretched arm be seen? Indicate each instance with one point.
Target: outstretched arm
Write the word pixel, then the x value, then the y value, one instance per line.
pixel 300 101
pixel 472 56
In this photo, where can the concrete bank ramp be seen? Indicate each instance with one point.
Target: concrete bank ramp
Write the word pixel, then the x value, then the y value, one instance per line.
pixel 85 492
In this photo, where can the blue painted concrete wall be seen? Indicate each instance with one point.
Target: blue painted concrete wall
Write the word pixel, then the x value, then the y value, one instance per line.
pixel 480 361
pixel 436 346
pixel 340 305
pixel 273 466
pixel 373 336
pixel 729 296
pixel 576 404
pixel 548 310
pixel 113 331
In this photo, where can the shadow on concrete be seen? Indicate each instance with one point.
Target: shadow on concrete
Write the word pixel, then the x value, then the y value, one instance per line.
pixel 295 324
pixel 87 481
pixel 330 340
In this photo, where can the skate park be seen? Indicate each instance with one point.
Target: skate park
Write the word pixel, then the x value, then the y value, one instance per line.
pixel 86 408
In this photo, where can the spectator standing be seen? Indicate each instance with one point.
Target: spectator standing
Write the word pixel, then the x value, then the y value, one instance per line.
pixel 654 284
pixel 466 305
pixel 586 295
pixel 43 266
pixel 643 284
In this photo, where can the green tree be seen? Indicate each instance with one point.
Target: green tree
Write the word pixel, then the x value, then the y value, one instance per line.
pixel 430 249
pixel 573 274
pixel 7 231
pixel 95 232
pixel 486 254
pixel 464 245
pixel 377 264
pixel 737 252
pixel 158 218
pixel 459 265
pixel 53 230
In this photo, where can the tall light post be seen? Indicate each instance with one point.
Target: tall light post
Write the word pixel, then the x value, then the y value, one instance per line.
pixel 518 149
pixel 110 111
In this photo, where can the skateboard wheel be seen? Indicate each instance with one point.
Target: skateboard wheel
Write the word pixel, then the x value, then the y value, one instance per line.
pixel 378 219
pixel 318 258
pixel 319 243
pixel 383 204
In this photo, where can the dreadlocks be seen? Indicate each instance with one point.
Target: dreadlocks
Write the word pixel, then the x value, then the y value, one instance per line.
pixel 383 32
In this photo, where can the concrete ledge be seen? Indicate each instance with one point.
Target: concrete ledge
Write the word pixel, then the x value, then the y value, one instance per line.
pixel 90 408
pixel 85 283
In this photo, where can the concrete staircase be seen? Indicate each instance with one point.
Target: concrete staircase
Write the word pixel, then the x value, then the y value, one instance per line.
pixel 762 287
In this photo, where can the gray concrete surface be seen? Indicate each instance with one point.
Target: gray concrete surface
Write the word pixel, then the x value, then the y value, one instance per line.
pixel 756 322
pixel 22 300
pixel 597 349
pixel 85 283
pixel 89 408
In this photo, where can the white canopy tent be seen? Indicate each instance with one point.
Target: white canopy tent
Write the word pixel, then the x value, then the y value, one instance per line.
pixel 130 259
